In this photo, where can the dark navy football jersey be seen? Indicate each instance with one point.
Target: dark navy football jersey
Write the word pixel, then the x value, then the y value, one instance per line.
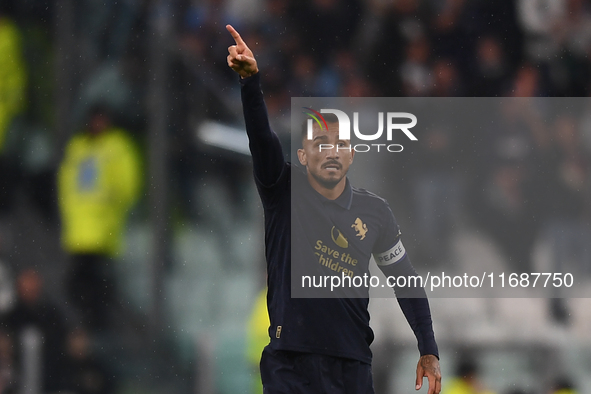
pixel 329 237
pixel 337 237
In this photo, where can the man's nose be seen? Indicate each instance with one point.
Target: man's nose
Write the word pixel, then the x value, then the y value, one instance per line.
pixel 333 152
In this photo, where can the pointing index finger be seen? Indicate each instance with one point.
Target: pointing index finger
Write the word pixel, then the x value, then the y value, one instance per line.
pixel 235 35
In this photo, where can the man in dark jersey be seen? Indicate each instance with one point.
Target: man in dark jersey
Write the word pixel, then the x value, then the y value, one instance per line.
pixel 321 345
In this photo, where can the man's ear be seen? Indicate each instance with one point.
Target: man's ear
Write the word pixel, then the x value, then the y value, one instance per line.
pixel 352 155
pixel 302 157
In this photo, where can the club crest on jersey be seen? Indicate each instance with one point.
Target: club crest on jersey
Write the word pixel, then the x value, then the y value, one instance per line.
pixel 339 238
pixel 360 228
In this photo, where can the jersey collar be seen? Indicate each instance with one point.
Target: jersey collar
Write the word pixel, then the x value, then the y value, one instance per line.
pixel 344 200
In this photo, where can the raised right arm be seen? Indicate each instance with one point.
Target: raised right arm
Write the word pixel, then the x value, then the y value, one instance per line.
pixel 267 155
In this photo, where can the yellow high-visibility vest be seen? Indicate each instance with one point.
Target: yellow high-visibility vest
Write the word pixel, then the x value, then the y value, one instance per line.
pixel 258 336
pixel 13 76
pixel 99 180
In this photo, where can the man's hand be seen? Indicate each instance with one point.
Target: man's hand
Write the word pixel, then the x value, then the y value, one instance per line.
pixel 240 58
pixel 428 366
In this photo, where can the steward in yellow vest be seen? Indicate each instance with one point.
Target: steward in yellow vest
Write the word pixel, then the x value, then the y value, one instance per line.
pixel 13 76
pixel 13 83
pixel 99 180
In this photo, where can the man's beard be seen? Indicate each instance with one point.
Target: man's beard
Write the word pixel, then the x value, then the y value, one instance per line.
pixel 327 183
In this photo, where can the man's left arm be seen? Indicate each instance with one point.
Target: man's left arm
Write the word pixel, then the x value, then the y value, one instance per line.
pixel 392 259
pixel 415 306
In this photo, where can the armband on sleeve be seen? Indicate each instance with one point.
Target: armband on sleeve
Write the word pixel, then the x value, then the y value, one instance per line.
pixel 391 256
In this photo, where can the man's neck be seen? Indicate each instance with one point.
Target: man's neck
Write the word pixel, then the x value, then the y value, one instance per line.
pixel 330 194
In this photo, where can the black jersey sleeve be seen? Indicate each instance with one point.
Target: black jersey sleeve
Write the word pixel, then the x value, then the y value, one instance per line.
pixel 414 304
pixel 265 147
pixel 392 259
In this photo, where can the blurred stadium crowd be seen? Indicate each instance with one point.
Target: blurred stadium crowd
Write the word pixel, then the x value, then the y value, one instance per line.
pixel 492 182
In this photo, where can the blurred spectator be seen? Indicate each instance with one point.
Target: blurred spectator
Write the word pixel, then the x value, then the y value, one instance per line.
pixel 577 23
pixel 497 19
pixel 556 31
pixel 572 75
pixel 466 381
pixel 415 71
pixel 507 215
pixel 541 21
pixel 436 187
pixel 512 150
pixel 13 81
pixel 257 337
pixel 527 82
pixel 448 28
pixel 397 23
pixel 6 289
pixel 7 373
pixel 490 69
pixel 568 176
pixel 447 81
pixel 83 374
pixel 6 346
pixel 37 330
pixel 12 76
pixel 29 143
pixel 99 180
